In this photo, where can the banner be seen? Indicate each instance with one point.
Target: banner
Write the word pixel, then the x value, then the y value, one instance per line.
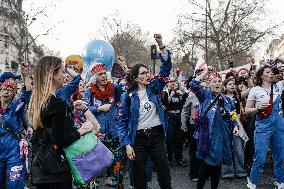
pixel 201 62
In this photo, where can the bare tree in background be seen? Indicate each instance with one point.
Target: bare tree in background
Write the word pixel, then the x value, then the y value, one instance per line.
pixel 127 39
pixel 233 29
pixel 188 47
pixel 50 52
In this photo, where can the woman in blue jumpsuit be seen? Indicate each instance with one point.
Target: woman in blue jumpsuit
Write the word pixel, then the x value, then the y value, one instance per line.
pixel 269 129
pixel 102 98
pixel 11 111
pixel 218 148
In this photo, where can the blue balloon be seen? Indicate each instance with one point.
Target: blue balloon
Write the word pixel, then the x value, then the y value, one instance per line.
pixel 97 51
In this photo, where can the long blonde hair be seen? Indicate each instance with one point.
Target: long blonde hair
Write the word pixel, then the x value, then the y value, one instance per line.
pixel 43 78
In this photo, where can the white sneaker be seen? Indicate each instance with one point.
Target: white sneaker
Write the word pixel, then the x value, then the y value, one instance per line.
pixel 279 185
pixel 251 185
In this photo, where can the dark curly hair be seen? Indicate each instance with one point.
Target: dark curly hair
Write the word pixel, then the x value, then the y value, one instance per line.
pixel 225 83
pixel 259 73
pixel 132 75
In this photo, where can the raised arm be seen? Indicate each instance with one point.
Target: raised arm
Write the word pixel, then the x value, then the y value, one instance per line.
pixel 166 64
pixel 66 92
pixel 26 91
pixel 245 94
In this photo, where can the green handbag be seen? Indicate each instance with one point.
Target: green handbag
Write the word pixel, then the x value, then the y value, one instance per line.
pixel 88 157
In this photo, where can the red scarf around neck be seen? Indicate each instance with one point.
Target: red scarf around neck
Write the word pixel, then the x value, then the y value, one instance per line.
pixel 103 95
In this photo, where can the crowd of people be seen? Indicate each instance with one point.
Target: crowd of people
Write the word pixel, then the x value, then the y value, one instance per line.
pixel 144 120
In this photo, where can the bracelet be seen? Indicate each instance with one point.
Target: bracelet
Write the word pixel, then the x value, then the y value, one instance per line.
pixel 162 48
pixel 85 109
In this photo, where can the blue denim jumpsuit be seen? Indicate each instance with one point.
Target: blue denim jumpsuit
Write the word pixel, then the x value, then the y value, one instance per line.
pixel 10 158
pixel 268 131
pixel 220 131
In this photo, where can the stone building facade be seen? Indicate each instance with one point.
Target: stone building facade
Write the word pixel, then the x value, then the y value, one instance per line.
pixel 16 43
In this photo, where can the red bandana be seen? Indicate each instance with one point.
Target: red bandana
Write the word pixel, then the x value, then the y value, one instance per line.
pixel 10 84
pixel 103 95
pixel 97 68
pixel 214 75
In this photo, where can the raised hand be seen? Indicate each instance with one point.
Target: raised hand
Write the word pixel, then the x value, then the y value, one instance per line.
pixel 79 104
pixel 159 40
pixel 25 69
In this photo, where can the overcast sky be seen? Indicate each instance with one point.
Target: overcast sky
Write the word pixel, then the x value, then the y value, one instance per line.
pixel 77 21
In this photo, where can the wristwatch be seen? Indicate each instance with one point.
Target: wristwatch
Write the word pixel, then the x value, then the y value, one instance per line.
pixel 85 109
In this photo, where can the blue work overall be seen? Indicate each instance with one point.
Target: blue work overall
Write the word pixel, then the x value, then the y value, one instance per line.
pixel 268 131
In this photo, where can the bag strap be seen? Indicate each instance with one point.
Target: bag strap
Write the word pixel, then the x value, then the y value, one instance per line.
pixel 10 131
pixel 271 94
pixel 128 100
pixel 212 103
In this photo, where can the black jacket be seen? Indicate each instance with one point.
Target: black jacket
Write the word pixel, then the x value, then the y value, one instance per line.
pixel 49 164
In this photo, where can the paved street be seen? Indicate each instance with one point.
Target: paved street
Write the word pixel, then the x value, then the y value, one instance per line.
pixel 180 179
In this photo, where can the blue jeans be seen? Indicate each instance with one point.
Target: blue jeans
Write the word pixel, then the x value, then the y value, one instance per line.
pixel 237 168
pixel 268 131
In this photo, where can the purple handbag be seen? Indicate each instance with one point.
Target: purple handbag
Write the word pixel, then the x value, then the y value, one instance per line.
pixel 202 128
pixel 88 157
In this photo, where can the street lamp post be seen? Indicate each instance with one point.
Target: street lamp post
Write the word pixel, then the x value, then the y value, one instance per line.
pixel 153 57
pixel 206 33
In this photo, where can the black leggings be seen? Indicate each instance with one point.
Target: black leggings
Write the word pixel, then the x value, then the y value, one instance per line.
pixel 66 185
pixel 206 171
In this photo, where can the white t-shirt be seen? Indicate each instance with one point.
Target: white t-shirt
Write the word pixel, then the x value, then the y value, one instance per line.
pixel 148 116
pixel 261 95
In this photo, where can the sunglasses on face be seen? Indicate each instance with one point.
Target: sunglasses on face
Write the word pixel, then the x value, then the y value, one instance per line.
pixel 7 89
